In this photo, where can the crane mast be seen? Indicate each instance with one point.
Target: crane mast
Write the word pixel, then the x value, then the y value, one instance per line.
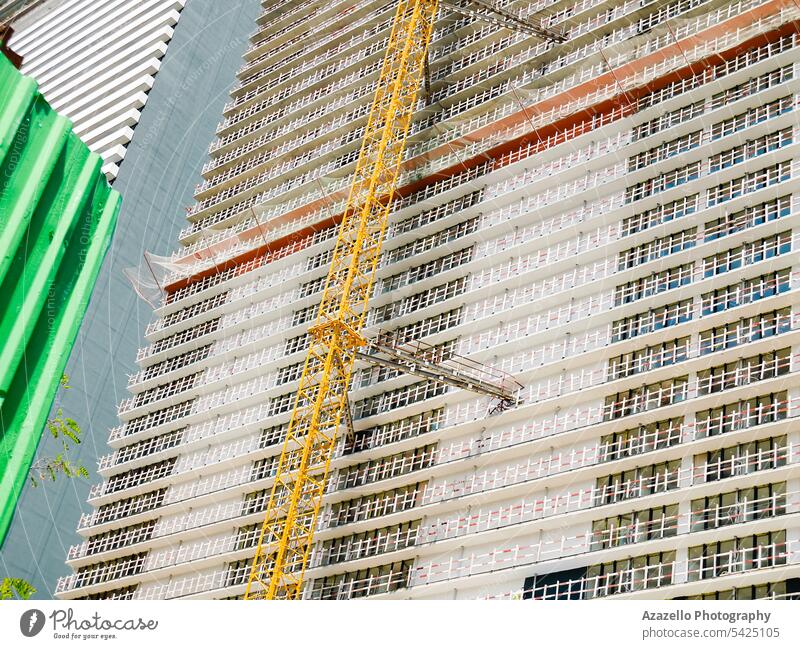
pixel 335 337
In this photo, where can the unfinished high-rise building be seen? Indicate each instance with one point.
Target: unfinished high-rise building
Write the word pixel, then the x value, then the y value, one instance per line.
pixel 609 220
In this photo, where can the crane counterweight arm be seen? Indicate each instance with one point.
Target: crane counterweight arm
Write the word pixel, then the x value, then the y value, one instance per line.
pixel 335 338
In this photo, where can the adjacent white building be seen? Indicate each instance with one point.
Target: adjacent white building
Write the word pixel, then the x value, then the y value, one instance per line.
pixel 611 220
pixel 95 63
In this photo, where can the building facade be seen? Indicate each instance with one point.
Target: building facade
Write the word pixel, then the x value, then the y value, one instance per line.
pixel 610 220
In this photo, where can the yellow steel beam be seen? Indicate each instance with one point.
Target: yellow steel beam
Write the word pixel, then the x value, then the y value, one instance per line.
pixel 294 504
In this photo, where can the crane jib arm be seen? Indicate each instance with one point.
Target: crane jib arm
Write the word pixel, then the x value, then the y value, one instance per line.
pixel 335 338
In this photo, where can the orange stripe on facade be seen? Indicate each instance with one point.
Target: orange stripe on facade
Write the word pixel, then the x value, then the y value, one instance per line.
pixel 537 140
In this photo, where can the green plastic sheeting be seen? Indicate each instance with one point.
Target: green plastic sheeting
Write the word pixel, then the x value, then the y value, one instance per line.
pixel 57 215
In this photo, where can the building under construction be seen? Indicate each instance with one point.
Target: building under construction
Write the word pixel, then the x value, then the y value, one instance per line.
pixel 580 377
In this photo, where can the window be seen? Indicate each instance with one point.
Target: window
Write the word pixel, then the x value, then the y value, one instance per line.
pixel 139 476
pixel 668 120
pixel 149 446
pixel 436 240
pixel 746 458
pixel 665 151
pixel 362 583
pixel 417 301
pixel 264 468
pixel 745 330
pixel 748 218
pixel 657 248
pixel 746 291
pixel 737 555
pixel 296 344
pixel 423 271
pixel 752 116
pixel 119 538
pixel 397 398
pixel 744 371
pixel 635 527
pixel 368 544
pixel 375 505
pixel 741 506
pixel 395 431
pixel 648 358
pixel 237 572
pixel 110 570
pixel 632 574
pixel 759 410
pixel 289 373
pixel 129 507
pixel 655 395
pixel 384 468
pixel 637 482
pixel 652 320
pixel 749 183
pixel 653 284
pixel 280 404
pixel 663 182
pixel 749 150
pixel 643 439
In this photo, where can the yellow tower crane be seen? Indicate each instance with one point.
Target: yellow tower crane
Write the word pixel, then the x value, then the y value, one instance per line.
pixel 336 339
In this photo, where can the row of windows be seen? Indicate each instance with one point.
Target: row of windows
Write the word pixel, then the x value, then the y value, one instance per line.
pixel 128 507
pixel 657 248
pixel 789 588
pixel 651 320
pixel 742 505
pixel 756 411
pixel 660 214
pixel 119 538
pixel 749 182
pixel 745 292
pixel 638 482
pixel 748 217
pixel 423 271
pixel 648 358
pixel 750 149
pixel 368 544
pixel 736 555
pixel 745 330
pixel 187 335
pixel 430 242
pixel 752 117
pixel 150 446
pixel 635 527
pixel 742 459
pixel 744 371
pixel 164 391
pixel 397 398
pixel 666 150
pixel 417 301
pixel 110 570
pixel 139 476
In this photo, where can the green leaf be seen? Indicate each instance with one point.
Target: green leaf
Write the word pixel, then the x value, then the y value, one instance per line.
pixel 10 586
pixel 72 430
